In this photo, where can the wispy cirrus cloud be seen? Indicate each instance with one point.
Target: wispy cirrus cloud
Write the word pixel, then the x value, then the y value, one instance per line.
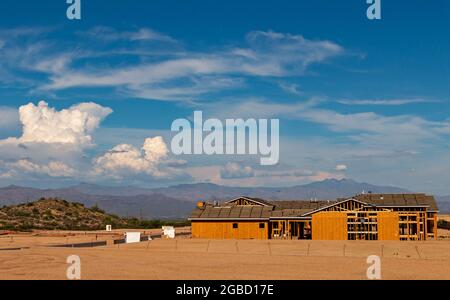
pixel 386 102
pixel 368 128
pixel 141 34
pixel 172 73
pixel 287 53
pixel 290 88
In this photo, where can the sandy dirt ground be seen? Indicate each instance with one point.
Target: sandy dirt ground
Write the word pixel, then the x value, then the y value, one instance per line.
pixel 185 258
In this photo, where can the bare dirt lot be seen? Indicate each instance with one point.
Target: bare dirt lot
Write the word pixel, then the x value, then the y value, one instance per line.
pixel 185 258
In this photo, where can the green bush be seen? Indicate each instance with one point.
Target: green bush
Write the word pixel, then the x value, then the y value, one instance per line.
pixel 20 213
pixel 95 208
pixel 443 224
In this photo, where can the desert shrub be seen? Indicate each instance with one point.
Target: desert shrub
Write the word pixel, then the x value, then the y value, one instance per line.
pixel 54 224
pixel 24 227
pixel 21 213
pixel 443 224
pixel 49 217
pixel 97 209
pixel 9 227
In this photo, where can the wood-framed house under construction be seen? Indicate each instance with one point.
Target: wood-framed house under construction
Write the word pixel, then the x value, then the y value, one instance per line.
pixel 362 217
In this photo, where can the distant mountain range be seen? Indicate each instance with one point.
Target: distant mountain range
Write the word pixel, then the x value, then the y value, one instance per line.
pixel 323 190
pixel 444 204
pixel 178 201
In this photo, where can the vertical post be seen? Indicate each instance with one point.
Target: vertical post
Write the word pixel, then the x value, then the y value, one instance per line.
pixel 288 229
pixel 435 227
pixel 407 227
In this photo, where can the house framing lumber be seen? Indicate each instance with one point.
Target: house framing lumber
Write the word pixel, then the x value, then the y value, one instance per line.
pixel 405 217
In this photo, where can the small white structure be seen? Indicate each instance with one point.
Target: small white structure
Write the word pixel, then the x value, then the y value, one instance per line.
pixel 108 228
pixel 132 237
pixel 168 232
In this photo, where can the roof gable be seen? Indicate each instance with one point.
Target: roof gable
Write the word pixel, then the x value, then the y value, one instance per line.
pixel 338 203
pixel 247 201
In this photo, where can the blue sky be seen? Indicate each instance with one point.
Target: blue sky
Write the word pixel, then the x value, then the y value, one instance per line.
pixel 367 100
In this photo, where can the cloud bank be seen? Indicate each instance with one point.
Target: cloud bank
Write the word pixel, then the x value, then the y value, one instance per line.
pixel 54 144
pixel 42 124
pixel 125 159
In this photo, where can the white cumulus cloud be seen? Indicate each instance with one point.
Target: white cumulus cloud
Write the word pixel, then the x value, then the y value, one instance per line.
pixel 52 141
pixel 127 159
pixel 235 170
pixel 42 124
pixel 52 169
pixel 341 167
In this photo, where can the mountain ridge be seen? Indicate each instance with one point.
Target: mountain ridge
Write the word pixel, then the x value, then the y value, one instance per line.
pixel 177 201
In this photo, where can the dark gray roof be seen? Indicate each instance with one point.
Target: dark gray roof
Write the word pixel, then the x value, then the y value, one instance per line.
pixel 299 208
pixel 399 200
pixel 233 212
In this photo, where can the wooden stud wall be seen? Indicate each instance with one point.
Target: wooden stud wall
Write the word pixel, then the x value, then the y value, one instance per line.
pixel 347 221
pixel 290 229
pixel 346 206
pixel 362 225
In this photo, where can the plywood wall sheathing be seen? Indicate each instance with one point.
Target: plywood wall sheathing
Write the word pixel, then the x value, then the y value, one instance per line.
pixel 225 230
pixel 329 226
pixel 388 226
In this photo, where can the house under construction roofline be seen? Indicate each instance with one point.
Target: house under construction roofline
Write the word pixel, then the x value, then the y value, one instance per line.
pixel 362 217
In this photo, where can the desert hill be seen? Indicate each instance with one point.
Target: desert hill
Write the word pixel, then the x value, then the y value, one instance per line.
pixel 56 214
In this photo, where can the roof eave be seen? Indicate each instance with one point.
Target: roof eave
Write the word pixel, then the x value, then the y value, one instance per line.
pixel 228 219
